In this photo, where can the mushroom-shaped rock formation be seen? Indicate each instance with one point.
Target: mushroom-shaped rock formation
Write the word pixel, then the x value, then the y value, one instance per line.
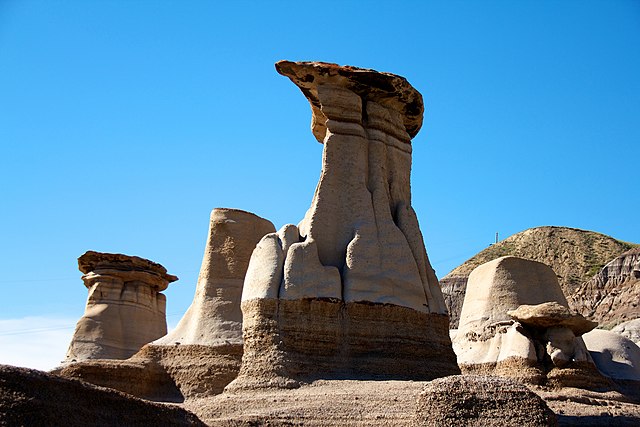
pixel 203 353
pixel 125 309
pixel 558 327
pixel 551 314
pixel 515 322
pixel 349 292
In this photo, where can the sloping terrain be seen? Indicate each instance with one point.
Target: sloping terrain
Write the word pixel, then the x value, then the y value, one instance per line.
pixel 613 295
pixel 34 398
pixel 574 255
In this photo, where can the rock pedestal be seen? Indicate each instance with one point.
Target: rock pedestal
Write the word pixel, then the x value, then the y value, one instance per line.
pixel 125 309
pixel 203 353
pixel 515 322
pixel 349 292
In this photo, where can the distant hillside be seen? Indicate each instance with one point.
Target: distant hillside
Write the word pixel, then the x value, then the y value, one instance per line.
pixel 613 295
pixel 575 256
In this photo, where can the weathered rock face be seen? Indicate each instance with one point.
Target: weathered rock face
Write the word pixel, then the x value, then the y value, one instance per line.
pixel 203 354
pixel 359 249
pixel 613 295
pixel 516 322
pixel 574 255
pixel 471 400
pixel 214 318
pixel 125 308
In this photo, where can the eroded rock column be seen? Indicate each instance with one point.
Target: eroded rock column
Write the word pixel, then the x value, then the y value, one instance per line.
pixel 214 317
pixel 125 308
pixel 349 292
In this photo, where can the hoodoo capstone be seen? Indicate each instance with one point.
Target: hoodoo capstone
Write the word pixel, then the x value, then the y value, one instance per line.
pixel 349 291
pixel 125 309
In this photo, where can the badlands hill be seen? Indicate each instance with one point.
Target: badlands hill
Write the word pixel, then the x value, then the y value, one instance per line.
pixel 575 255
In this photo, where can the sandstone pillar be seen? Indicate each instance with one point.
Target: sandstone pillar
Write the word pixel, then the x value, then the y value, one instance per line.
pixel 125 308
pixel 349 292
pixel 214 318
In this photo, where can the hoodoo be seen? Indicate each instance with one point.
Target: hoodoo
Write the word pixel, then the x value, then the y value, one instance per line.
pixel 125 309
pixel 349 292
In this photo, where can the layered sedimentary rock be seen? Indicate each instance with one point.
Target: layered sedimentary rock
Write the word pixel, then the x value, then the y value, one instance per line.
pixel 469 400
pixel 613 295
pixel 203 353
pixel 349 291
pixel 125 308
pixel 515 322
pixel 574 255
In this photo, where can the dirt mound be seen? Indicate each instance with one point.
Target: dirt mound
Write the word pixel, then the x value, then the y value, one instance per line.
pixel 30 397
pixel 574 255
pixel 483 401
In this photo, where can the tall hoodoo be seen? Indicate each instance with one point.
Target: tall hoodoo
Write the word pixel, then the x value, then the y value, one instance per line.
pixel 360 239
pixel 353 278
pixel 125 308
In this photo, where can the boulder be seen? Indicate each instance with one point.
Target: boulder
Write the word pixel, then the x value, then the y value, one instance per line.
pixel 125 309
pixel 349 291
pixel 615 356
pixel 551 314
pixel 469 400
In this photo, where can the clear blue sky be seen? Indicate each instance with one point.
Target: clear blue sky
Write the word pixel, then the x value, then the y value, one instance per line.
pixel 123 123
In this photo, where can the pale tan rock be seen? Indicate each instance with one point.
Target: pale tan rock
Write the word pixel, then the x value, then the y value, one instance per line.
pixel 203 353
pixel 125 308
pixel 214 317
pixel 360 221
pixel 342 293
pixel 615 356
pixel 516 322
pixel 630 330
pixel 551 314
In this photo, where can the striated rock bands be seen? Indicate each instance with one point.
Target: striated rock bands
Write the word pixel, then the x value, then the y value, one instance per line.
pixel 323 297
pixel 613 295
pixel 292 341
pixel 125 308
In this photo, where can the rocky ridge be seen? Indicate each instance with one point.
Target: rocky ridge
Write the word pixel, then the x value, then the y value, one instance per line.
pixel 574 255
